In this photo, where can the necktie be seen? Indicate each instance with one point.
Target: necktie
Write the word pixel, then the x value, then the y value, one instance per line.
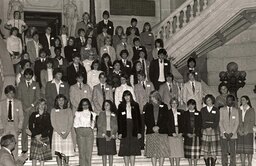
pixel 143 66
pixel 103 92
pixel 229 112
pixel 80 86
pixel 28 84
pixel 161 61
pixel 10 110
pixel 193 87
pixel 170 88
pixel 143 85
pixel 125 45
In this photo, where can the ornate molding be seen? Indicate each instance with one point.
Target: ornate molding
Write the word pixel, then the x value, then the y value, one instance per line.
pixel 43 5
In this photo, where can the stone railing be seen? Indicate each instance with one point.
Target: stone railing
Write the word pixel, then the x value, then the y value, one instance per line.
pixel 189 10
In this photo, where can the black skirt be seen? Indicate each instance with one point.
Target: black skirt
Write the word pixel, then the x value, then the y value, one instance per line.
pixel 106 147
pixel 130 145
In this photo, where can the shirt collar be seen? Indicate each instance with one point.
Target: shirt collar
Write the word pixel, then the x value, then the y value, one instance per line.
pixel 53 81
pixel 191 111
pixel 8 150
pixel 9 100
pixel 242 108
pixel 209 108
pixel 30 81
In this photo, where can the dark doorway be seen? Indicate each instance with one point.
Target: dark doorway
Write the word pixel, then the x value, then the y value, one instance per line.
pixel 42 19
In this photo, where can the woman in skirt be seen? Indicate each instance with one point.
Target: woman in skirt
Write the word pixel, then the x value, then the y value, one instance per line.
pixel 245 130
pixel 129 128
pixel 156 121
pixel 210 135
pixel 175 138
pixel 192 132
pixel 107 130
pixel 40 127
pixel 62 121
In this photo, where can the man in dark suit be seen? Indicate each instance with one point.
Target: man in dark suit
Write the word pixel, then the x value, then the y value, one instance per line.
pixel 11 115
pixel 8 143
pixel 28 93
pixel 137 48
pixel 60 62
pixel 40 65
pixel 125 64
pixel 80 41
pixel 134 22
pixel 75 68
pixel 159 68
pixel 107 22
pixel 46 39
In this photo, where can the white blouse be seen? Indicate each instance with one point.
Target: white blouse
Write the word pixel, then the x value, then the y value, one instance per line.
pixel 83 119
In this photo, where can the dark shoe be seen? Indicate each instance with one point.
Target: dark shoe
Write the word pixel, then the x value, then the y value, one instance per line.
pixel 213 161
pixel 24 151
pixel 207 161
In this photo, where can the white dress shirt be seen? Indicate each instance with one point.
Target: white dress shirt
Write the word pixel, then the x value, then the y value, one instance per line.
pixel 244 111
pixel 161 77
pixel 57 85
pixel 93 77
pixel 50 74
pixel 129 111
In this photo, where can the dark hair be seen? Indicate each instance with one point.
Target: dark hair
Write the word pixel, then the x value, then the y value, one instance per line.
pixel 86 13
pixel 142 73
pixel 76 54
pixel 17 12
pixel 169 74
pixel 124 52
pixel 9 88
pixel 80 107
pixel 191 102
pixel 162 51
pixel 145 52
pixel 14 29
pixel 86 40
pixel 6 140
pixel 80 30
pixel 42 51
pixel 134 20
pixel 248 99
pixel 221 85
pixel 24 62
pixel 231 96
pixel 57 38
pixel 115 62
pixel 209 96
pixel 57 70
pixel 48 60
pixel 28 71
pixel 71 38
pixel 79 75
pixel 191 72
pixel 134 67
pixel 96 61
pixel 136 39
pixel 119 27
pixel 160 41
pixel 112 106
pixel 102 74
pixel 57 48
pixel 56 104
pixel 105 55
pixel 191 59
pixel 124 75
pixel 105 13
pixel 144 27
pixel 127 93
pixel 35 33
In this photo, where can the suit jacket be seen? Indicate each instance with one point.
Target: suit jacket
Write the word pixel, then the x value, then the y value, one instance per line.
pixel 229 125
pixel 210 119
pixel 172 121
pixel 121 47
pixel 6 159
pixel 17 114
pixel 165 93
pixel 71 74
pixel 76 95
pixel 97 96
pixel 43 40
pixel 162 121
pixel 114 79
pixel 68 52
pixel 188 93
pixel 197 124
pixel 31 49
pixel 79 44
pixel 110 50
pixel 154 70
pixel 38 67
pixel 126 68
pixel 136 52
pixel 44 79
pixel 63 66
pixel 28 95
pixel 122 120
pixel 147 39
pixel 110 26
pixel 249 121
pixel 102 124
pixel 51 93
pixel 146 66
pixel 142 95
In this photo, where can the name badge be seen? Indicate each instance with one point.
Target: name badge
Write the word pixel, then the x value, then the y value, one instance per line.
pixel 178 113
pixel 123 113
pixel 112 114
pixel 37 115
pixel 214 112
pixel 127 65
pixel 85 91
pixel 63 132
pixel 93 74
pixel 52 38
pixel 139 48
pixel 150 34
pixel 62 85
pixel 196 113
pixel 17 110
pixel 233 117
pixel 148 85
pixel 110 67
pixel 107 89
pixel 166 64
pixel 161 106
pixel 110 27
pixel 105 49
pixel 34 88
pixel 57 110
pixel 87 48
pixel 74 49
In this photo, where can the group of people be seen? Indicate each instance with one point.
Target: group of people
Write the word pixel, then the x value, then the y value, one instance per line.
pixel 121 84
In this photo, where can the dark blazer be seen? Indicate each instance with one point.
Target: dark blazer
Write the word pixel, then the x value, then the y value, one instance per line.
pixel 210 119
pixel 71 74
pixel 126 68
pixel 102 124
pixel 68 52
pixel 40 124
pixel 154 70
pixel 136 53
pixel 63 66
pixel 162 121
pixel 109 25
pixel 114 79
pixel 172 123
pixel 51 93
pixel 43 40
pixel 79 44
pixel 38 67
pixel 122 121
pixel 187 126
pixel 128 31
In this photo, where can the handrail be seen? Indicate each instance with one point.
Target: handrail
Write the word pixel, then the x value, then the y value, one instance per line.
pixel 180 17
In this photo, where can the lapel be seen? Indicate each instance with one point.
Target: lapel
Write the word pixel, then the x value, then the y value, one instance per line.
pixel 54 88
pixel 5 110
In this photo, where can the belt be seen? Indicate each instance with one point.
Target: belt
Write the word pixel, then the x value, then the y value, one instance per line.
pixel 10 120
